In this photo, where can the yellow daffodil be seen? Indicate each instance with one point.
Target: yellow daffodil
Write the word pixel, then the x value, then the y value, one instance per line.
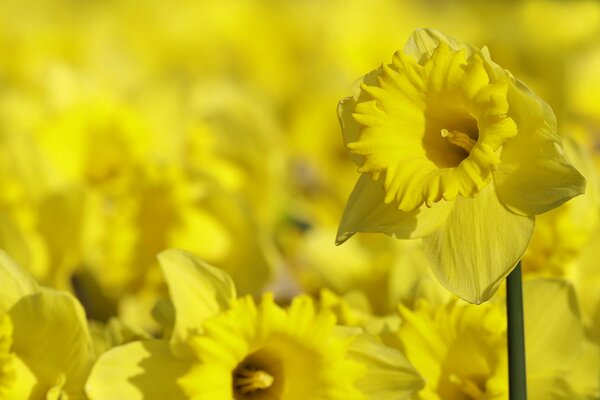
pixel 45 346
pixel 264 351
pixel 453 149
pixel 460 349
pixel 224 347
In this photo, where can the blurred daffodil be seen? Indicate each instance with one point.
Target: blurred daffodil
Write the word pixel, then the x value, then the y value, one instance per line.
pixel 45 347
pixel 453 149
pixel 224 347
pixel 272 353
pixel 460 348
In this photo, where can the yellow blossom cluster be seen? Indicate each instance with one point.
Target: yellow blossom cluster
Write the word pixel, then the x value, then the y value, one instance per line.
pixel 173 177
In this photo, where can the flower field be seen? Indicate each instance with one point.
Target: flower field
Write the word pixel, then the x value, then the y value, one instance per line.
pixel 193 196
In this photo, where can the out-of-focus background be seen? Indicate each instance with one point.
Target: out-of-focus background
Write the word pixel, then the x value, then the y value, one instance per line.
pixel 129 127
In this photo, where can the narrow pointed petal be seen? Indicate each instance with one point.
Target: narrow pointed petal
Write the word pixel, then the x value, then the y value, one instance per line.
pixel 145 370
pixel 366 211
pixel 51 337
pixel 534 175
pixel 478 246
pixel 16 283
pixel 198 291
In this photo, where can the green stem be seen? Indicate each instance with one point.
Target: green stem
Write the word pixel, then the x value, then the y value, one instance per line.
pixel 516 336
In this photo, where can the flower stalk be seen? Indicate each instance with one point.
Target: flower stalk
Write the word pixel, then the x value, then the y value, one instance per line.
pixel 516 336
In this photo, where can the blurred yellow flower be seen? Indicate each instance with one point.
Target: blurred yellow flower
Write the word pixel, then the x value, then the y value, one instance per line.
pixel 460 349
pixel 223 347
pixel 45 347
pixel 264 351
pixel 454 150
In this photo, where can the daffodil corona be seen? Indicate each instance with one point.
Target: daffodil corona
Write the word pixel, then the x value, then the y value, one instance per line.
pixel 265 352
pixel 454 150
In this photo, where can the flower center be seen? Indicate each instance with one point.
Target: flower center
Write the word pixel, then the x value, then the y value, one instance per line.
pixel 432 128
pixel 259 376
pixel 248 380
pixel 459 139
pixel 450 133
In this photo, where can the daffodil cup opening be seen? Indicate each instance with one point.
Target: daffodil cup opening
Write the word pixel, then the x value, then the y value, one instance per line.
pixel 453 149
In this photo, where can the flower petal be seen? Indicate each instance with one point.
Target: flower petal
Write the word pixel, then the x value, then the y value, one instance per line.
pixel 551 387
pixel 422 43
pixel 553 322
pixel 534 174
pixel 23 383
pixel 478 246
pixel 198 291
pixel 51 337
pixel 351 128
pixel 584 376
pixel 16 283
pixel 140 370
pixel 389 375
pixel 366 211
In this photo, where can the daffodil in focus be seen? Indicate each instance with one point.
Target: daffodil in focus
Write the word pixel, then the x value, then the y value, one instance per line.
pixel 225 347
pixel 453 149
pixel 45 347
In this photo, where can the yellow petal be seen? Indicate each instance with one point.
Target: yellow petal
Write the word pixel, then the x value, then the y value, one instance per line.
pixel 16 283
pixel 140 370
pixel 198 291
pixel 366 211
pixel 553 387
pixel 389 375
pixel 534 174
pixel 552 321
pixel 350 128
pixel 20 243
pixel 24 383
pixel 51 337
pixel 422 43
pixel 478 246
pixel 583 376
pixel 553 326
